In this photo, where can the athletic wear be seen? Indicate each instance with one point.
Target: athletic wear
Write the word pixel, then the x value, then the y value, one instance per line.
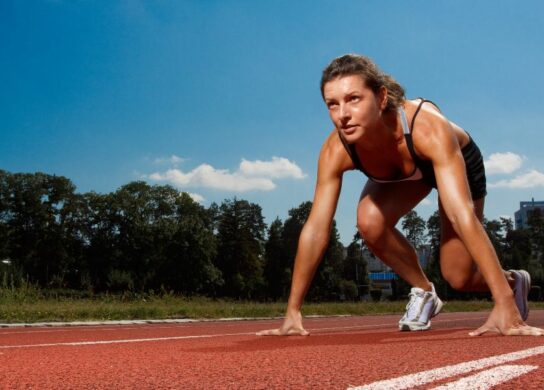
pixel 521 291
pixel 423 168
pixel 423 305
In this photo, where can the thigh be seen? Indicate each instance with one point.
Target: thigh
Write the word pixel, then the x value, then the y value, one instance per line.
pixel 455 260
pixel 388 202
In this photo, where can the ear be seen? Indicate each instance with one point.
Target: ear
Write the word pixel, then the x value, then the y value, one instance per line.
pixel 382 97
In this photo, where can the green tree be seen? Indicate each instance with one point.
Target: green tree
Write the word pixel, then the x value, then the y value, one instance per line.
pixel 536 231
pixel 433 267
pixel 495 232
pixel 5 215
pixel 536 234
pixel 414 229
pixel 328 281
pixel 103 253
pixel 328 277
pixel 164 239
pixel 240 235
pixel 355 267
pixel 188 248
pixel 33 217
pixel 277 267
pixel 292 227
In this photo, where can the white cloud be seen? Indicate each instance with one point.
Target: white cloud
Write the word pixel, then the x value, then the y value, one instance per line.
pixel 278 168
pixel 503 163
pixel 530 179
pixel 196 197
pixel 172 160
pixel 250 176
pixel 219 179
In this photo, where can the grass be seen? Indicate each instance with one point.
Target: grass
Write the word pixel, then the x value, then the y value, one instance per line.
pixel 35 307
pixel 25 303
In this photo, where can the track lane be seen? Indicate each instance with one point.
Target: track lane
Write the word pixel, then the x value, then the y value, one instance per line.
pixel 341 352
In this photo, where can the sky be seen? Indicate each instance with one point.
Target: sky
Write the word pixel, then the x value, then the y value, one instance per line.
pixel 221 98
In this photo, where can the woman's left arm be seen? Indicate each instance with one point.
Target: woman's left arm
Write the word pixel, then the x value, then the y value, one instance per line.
pixel 445 154
pixel 437 142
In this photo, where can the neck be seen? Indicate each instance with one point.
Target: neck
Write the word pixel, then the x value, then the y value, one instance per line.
pixel 387 133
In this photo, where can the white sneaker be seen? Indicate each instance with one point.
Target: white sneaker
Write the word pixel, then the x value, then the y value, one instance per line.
pixel 423 305
pixel 521 291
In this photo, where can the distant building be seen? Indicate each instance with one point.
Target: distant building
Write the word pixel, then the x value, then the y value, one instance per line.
pixel 375 265
pixel 521 216
pixel 381 276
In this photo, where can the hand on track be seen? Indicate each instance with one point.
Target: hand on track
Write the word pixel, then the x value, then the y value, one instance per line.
pixel 292 326
pixel 505 319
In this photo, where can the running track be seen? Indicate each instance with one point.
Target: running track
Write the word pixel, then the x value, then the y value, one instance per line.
pixel 361 352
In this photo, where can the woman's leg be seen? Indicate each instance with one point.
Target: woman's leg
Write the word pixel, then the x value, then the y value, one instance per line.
pixel 456 264
pixel 380 207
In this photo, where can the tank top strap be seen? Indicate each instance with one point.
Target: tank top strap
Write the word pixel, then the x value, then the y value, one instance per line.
pixel 415 114
pixel 403 121
pixel 350 148
pixel 408 137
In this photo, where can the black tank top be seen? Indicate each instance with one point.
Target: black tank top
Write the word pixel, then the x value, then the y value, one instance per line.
pixel 423 169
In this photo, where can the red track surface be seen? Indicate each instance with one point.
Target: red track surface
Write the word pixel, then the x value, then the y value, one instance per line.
pixel 341 352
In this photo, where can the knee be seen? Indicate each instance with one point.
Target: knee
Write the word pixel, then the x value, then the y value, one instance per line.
pixel 371 227
pixel 458 281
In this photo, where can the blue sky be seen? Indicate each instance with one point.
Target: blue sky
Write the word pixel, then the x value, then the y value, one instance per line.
pixel 221 98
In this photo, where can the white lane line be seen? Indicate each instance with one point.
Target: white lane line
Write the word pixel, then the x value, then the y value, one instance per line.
pixel 424 377
pixel 151 328
pixel 196 323
pixel 140 340
pixel 151 339
pixel 485 380
pixel 126 341
pixel 325 330
pixel 132 324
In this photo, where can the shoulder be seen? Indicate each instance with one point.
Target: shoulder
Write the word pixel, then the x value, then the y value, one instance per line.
pixel 432 132
pixel 333 156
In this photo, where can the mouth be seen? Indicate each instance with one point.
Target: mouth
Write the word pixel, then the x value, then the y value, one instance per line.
pixel 349 129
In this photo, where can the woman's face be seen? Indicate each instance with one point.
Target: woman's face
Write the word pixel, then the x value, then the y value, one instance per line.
pixel 353 107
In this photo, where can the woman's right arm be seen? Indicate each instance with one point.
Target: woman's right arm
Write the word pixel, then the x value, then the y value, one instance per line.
pixel 314 238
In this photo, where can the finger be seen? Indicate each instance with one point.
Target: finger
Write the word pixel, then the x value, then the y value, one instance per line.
pixel 527 331
pixel 480 331
pixel 298 332
pixel 269 332
pixel 280 332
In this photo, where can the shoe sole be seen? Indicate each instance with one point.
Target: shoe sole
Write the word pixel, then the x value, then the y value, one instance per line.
pixel 526 286
pixel 414 328
pixel 438 307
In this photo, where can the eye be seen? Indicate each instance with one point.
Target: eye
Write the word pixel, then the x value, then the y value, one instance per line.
pixel 331 105
pixel 354 98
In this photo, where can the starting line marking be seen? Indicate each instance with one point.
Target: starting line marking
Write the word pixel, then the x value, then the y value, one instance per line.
pixel 425 377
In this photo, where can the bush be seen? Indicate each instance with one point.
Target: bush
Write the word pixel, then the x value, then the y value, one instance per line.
pixel 120 281
pixel 348 289
pixel 376 294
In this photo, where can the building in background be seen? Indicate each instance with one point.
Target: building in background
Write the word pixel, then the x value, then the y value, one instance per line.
pixel 521 217
pixel 382 277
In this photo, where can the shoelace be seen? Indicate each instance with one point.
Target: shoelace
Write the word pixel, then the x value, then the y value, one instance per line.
pixel 411 308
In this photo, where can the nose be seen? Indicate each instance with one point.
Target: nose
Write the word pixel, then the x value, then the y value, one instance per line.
pixel 345 113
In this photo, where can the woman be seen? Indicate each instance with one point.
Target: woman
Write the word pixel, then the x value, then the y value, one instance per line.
pixel 406 148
